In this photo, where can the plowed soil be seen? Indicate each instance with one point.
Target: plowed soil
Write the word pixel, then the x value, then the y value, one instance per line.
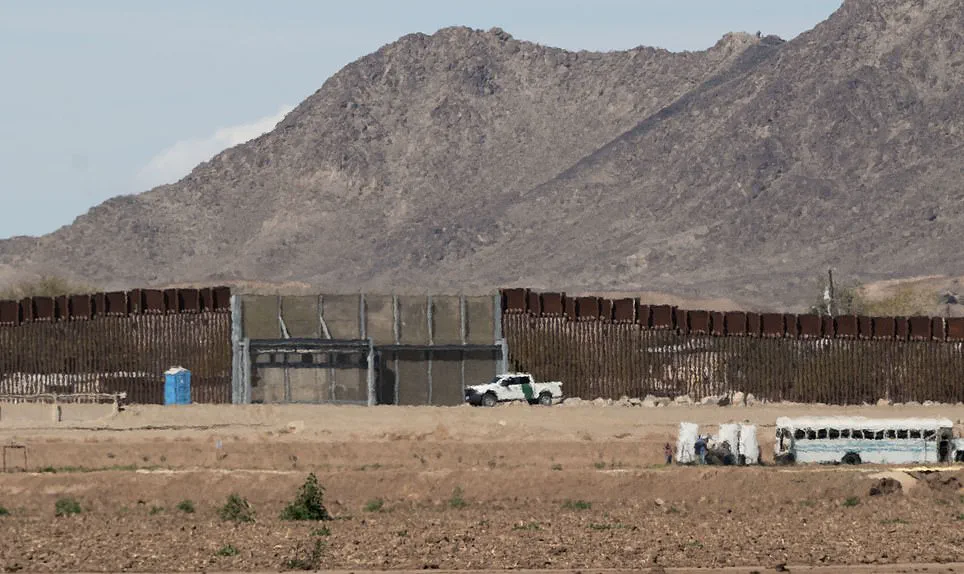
pixel 449 488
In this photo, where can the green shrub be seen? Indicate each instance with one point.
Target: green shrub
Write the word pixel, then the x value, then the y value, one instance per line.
pixel 236 509
pixel 323 531
pixel 852 501
pixel 457 500
pixel 309 504
pixel 374 505
pixel 4 511
pixel 306 559
pixel 186 506
pixel 66 507
pixel 577 505
pixel 227 550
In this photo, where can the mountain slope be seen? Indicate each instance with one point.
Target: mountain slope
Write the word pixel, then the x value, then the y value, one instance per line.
pixel 842 148
pixel 470 160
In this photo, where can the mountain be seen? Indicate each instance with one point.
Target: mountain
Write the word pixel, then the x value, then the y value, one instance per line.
pixel 467 160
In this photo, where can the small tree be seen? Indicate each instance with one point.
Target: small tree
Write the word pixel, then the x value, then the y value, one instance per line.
pixel 309 504
pixel 237 509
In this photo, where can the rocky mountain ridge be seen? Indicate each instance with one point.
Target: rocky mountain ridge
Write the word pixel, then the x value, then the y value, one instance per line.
pixel 468 160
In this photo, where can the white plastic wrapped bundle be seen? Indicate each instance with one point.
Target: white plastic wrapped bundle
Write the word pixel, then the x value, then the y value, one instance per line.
pixel 749 447
pixel 730 432
pixel 686 443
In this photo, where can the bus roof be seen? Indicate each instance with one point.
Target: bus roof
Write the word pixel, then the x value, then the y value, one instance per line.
pixel 863 423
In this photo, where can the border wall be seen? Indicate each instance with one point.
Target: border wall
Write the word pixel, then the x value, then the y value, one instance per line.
pixel 365 348
pixel 612 348
pixel 119 342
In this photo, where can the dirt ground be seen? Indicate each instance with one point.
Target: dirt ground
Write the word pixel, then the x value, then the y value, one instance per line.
pixel 413 488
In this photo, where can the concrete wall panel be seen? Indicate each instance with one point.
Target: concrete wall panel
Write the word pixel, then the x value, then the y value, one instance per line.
pixel 446 321
pixel 480 367
pixel 447 378
pixel 267 385
pixel 260 316
pixel 380 319
pixel 341 315
pixel 301 316
pixel 412 376
pixel 309 385
pixel 350 385
pixel 413 317
pixel 480 312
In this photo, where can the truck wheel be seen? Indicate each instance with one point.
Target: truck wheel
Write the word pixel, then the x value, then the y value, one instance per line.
pixel 489 400
pixel 545 399
pixel 851 458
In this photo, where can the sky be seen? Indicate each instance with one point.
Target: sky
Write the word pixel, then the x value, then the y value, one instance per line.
pixel 111 97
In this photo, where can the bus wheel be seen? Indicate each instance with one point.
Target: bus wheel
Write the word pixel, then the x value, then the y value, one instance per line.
pixel 851 458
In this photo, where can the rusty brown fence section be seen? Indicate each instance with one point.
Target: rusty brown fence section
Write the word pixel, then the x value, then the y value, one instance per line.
pixel 118 342
pixel 611 348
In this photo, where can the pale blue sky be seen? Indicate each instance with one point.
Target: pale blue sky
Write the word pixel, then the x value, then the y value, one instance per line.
pixel 101 98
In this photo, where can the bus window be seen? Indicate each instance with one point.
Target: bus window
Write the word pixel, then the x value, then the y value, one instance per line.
pixel 845 433
pixel 868 434
pixel 915 434
pixel 858 434
pixel 891 433
pixel 901 434
pixel 879 435
pixel 822 433
pixel 798 434
pixel 929 434
pixel 833 433
pixel 811 434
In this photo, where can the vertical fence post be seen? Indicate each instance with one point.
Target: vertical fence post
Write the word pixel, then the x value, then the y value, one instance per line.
pixel 237 371
pixel 397 335
pixel 463 329
pixel 431 337
pixel 497 336
pixel 246 370
pixel 371 373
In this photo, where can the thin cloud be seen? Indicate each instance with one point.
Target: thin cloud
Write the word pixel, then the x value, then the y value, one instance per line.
pixel 176 161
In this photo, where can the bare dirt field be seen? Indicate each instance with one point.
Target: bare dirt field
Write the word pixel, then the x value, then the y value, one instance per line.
pixel 561 488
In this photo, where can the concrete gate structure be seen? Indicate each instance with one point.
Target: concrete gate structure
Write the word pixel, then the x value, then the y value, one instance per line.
pixel 364 349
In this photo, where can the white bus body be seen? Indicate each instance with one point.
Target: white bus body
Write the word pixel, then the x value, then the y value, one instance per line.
pixel 854 440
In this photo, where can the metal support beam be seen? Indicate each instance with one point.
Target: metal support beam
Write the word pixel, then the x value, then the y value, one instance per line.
pixel 431 336
pixel 396 331
pixel 237 352
pixel 497 332
pixel 321 317
pixel 363 334
pixel 372 398
pixel 246 370
pixel 281 319
pixel 504 360
pixel 463 331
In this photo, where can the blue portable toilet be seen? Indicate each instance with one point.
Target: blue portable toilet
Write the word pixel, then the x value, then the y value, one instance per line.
pixel 177 386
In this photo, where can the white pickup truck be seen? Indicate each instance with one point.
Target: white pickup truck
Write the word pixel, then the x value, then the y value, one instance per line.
pixel 513 387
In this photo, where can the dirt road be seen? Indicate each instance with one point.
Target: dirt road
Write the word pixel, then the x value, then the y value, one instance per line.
pixel 450 488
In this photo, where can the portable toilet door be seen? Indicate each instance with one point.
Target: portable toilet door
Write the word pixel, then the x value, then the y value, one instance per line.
pixel 177 386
